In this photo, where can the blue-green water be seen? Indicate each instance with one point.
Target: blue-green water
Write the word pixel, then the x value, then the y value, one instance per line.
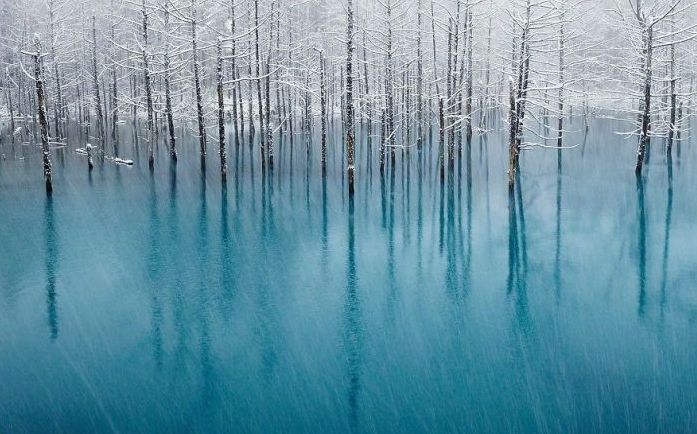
pixel 163 302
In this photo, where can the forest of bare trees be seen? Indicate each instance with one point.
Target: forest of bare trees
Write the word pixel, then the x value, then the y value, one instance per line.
pixel 419 78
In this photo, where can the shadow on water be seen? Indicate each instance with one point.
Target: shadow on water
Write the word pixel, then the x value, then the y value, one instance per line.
pixel 176 282
pixel 467 271
pixel 558 231
pixel 325 231
pixel 154 264
pixel 641 244
pixel 517 259
pixel 666 235
pixel 392 296
pixel 353 333
pixel 209 396
pixel 419 223
pixel 51 262
pixel 267 327
pixel 227 259
pixel 450 233
pixel 441 217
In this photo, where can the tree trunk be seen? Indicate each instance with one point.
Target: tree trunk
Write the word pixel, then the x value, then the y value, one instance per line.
pixel 323 104
pixel 419 80
pixel 42 115
pixel 560 118
pixel 168 95
pixel 12 114
pixel 645 139
pixel 267 96
pixel 148 89
pixel 350 133
pixel 512 138
pixel 369 104
pixel 673 101
pixel 221 112
pixel 233 75
pixel 97 99
pixel 197 84
pixel 470 79
pixel 250 92
pixel 258 80
pixel 389 85
pixel 441 138
pixel 58 105
pixel 114 93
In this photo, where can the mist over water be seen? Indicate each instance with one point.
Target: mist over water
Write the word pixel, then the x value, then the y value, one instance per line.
pixel 166 301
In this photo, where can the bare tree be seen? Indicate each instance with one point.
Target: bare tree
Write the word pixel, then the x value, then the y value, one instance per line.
pixel 97 98
pixel 41 108
pixel 197 83
pixel 350 132
pixel 221 112
pixel 148 88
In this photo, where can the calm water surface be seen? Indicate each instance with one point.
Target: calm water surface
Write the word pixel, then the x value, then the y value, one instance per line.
pixel 162 302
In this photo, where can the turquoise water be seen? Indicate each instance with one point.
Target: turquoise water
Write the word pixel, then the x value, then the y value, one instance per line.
pixel 133 301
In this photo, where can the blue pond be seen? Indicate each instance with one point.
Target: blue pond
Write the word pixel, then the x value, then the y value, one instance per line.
pixel 138 301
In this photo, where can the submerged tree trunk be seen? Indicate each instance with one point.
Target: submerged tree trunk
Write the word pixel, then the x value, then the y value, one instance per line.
pixel 148 89
pixel 168 95
pixel 260 107
pixel 58 104
pixel 97 99
pixel 114 92
pixel 368 102
pixel 470 78
pixel 435 58
pixel 389 86
pixel 441 138
pixel 323 105
pixel 673 102
pixel 350 133
pixel 513 149
pixel 12 114
pixel 518 96
pixel 221 112
pixel 197 84
pixel 484 115
pixel 267 95
pixel 645 138
pixel 233 75
pixel 41 103
pixel 269 127
pixel 250 90
pixel 419 80
pixel 560 115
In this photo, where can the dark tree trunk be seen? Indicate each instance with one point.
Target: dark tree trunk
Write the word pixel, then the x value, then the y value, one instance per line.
pixel 41 103
pixel 221 112
pixel 97 98
pixel 645 138
pixel 168 95
pixel 350 133
pixel 197 85
pixel 323 104
pixel 148 89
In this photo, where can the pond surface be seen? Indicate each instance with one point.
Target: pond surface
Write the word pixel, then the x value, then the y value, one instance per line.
pixel 134 301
